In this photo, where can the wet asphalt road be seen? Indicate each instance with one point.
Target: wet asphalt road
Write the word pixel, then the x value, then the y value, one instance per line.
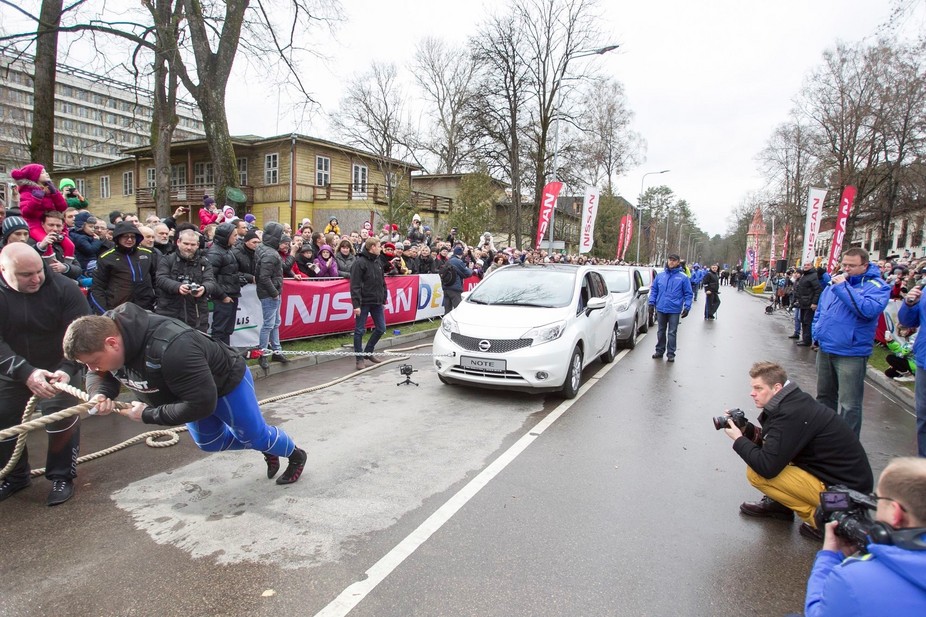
pixel 625 505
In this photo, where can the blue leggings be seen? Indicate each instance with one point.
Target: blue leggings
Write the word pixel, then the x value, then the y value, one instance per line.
pixel 237 424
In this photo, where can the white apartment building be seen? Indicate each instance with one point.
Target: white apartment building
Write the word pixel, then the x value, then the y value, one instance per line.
pixel 96 117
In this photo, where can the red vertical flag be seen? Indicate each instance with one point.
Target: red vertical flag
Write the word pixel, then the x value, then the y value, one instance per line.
pixel 839 233
pixel 620 237
pixel 550 193
pixel 628 234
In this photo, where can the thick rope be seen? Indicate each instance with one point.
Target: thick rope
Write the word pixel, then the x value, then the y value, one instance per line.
pixel 151 437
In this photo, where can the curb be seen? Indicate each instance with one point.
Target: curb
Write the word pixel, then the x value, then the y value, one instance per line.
pixel 904 395
pixel 312 360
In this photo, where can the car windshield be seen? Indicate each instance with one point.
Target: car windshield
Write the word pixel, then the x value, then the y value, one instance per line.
pixel 618 280
pixel 526 287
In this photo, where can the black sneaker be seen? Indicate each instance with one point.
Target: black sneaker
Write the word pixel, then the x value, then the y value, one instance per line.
pixel 61 491
pixel 296 464
pixel 264 363
pixel 279 357
pixel 273 464
pixel 13 485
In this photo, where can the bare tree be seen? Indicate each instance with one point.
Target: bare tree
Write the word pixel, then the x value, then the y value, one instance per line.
pixel 496 107
pixel 609 145
pixel 445 75
pixel 42 143
pixel 373 117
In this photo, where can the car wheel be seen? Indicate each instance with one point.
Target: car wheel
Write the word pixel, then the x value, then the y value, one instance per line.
pixel 631 342
pixel 608 356
pixel 573 374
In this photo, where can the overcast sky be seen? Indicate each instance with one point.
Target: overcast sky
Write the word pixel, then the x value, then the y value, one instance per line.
pixel 707 81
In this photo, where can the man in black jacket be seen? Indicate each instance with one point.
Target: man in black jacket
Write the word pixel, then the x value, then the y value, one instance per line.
pixel 807 293
pixel 711 283
pixel 123 273
pixel 269 275
pixel 368 295
pixel 184 377
pixel 185 282
pixel 227 282
pixel 36 307
pixel 801 448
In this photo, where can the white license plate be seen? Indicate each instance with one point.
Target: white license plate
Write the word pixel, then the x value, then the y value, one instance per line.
pixel 483 364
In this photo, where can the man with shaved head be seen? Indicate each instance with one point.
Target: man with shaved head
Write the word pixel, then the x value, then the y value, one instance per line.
pixel 36 307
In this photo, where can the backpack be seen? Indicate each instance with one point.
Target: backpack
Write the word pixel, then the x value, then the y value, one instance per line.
pixel 448 274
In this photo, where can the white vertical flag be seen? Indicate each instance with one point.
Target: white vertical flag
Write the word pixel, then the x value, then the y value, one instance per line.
pixel 589 212
pixel 815 199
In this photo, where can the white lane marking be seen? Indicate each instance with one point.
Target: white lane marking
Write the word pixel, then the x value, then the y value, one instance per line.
pixel 356 592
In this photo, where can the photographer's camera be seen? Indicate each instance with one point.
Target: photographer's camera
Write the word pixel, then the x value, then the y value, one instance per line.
pixel 738 416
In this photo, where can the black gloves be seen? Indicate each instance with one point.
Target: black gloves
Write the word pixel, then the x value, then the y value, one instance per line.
pixel 684 313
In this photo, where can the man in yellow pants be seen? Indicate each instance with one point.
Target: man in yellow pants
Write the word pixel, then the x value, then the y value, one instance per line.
pixel 801 448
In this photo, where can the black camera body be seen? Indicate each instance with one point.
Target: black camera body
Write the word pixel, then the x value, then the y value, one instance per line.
pixel 407 369
pixel 737 415
pixel 851 511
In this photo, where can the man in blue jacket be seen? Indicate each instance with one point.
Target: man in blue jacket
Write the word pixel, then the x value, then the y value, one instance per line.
pixel 671 294
pixel 889 579
pixel 844 325
pixel 913 314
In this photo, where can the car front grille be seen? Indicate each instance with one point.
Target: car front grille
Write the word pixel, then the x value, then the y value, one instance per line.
pixel 507 376
pixel 471 343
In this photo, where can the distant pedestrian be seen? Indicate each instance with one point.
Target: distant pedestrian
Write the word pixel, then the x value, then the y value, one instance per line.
pixel 711 283
pixel 807 293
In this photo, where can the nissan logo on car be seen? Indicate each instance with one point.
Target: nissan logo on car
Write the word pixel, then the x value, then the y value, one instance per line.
pixel 484 345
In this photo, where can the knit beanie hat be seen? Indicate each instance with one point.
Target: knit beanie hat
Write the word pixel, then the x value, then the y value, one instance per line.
pixel 207 201
pixel 66 183
pixel 31 172
pixel 250 235
pixel 82 219
pixel 11 224
pixel 458 251
pixel 249 218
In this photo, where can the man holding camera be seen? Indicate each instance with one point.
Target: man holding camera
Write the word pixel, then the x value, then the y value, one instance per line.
pixel 889 579
pixel 50 247
pixel 801 448
pixel 184 282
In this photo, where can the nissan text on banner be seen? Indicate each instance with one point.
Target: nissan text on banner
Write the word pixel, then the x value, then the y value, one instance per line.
pixel 589 213
pixel 815 199
pixel 547 203
pixel 839 233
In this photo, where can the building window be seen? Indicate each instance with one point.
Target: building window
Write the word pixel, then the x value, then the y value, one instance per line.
pixel 151 175
pixel 242 171
pixel 271 169
pixel 359 183
pixel 203 174
pixel 104 187
pixel 178 180
pixel 322 171
pixel 128 183
pixel 81 185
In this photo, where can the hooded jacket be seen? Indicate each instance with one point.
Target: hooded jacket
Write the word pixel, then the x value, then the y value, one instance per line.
pixel 86 248
pixel 268 263
pixel 796 429
pixel 173 272
pixel 32 326
pixel 194 371
pixel 808 289
pixel 671 291
pixel 123 275
pixel 224 264
pixel 328 269
pixel 367 280
pixel 887 581
pixel 847 313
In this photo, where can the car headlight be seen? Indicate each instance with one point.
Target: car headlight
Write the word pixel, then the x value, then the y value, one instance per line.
pixel 623 306
pixel 448 325
pixel 547 333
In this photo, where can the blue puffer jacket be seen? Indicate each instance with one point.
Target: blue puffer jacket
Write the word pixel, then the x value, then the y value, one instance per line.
pixel 914 316
pixel 847 313
pixel 887 581
pixel 671 291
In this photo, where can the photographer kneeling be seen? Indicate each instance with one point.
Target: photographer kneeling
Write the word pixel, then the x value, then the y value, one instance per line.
pixel 801 448
pixel 889 579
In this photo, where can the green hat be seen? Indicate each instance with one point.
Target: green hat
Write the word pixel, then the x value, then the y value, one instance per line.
pixel 66 182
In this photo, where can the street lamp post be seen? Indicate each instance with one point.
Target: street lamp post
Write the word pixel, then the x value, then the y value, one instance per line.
pixel 559 99
pixel 640 208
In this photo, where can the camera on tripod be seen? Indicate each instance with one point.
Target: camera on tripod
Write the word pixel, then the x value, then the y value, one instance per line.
pixel 406 370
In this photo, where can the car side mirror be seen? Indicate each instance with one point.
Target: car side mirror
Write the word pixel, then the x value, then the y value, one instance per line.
pixel 643 291
pixel 596 303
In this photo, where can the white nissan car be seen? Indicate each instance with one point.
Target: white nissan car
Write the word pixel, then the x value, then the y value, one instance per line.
pixel 528 328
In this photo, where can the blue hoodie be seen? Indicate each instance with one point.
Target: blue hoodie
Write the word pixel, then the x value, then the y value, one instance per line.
pixel 847 313
pixel 913 317
pixel 887 581
pixel 671 291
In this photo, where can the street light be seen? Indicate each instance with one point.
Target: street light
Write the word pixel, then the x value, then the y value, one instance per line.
pixel 582 53
pixel 640 207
